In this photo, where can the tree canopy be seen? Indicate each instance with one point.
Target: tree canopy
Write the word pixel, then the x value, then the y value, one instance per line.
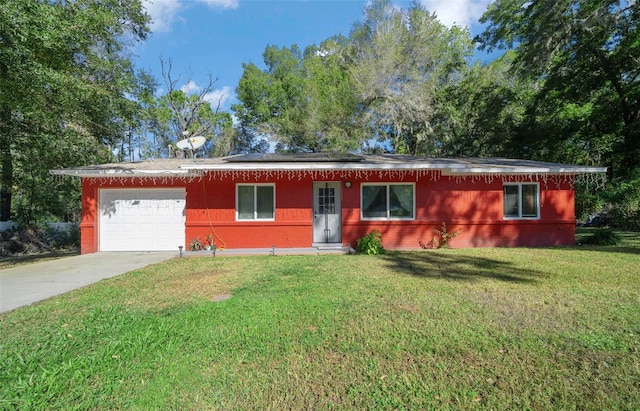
pixel 381 87
pixel 303 101
pixel 64 75
pixel 184 112
pixel 587 53
pixel 584 56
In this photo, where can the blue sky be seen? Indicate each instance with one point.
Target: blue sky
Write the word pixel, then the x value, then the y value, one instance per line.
pixel 215 37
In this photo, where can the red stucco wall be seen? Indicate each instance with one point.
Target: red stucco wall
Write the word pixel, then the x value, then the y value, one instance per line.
pixel 472 205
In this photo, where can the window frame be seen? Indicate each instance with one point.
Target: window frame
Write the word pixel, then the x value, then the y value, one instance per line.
pixel 520 201
pixel 388 216
pixel 255 202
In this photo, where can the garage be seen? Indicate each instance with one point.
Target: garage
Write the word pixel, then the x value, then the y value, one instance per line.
pixel 141 219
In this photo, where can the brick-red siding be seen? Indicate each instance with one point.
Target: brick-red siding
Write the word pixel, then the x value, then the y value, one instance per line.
pixel 473 205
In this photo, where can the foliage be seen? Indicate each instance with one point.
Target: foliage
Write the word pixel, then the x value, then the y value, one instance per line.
pixel 587 52
pixel 624 202
pixel 483 114
pixel 384 86
pixel 465 329
pixel 302 101
pixel 442 236
pixel 36 240
pixel 402 63
pixel 601 237
pixel 370 244
pixel 186 112
pixel 196 245
pixel 71 62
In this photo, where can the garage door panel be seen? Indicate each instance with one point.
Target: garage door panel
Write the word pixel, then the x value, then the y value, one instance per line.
pixel 142 219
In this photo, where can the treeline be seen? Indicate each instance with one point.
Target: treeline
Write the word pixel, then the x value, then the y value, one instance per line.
pixel 564 86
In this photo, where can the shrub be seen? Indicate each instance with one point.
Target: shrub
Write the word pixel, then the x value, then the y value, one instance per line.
pixel 61 235
pixel 626 216
pixel 442 236
pixel 196 245
pixel 624 197
pixel 602 236
pixel 370 244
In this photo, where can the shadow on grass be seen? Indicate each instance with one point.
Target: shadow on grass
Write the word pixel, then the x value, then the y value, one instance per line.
pixel 629 241
pixel 606 249
pixel 16 260
pixel 437 264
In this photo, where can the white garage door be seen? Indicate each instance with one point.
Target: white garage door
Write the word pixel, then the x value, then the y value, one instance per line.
pixel 142 219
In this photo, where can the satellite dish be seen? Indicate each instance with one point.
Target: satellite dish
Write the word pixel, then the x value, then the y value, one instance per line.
pixel 191 143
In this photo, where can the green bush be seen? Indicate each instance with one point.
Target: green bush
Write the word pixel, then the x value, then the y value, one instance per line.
pixel 370 244
pixel 603 236
pixel 624 197
pixel 626 216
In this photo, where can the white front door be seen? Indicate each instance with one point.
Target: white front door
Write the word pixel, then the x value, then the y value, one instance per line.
pixel 327 218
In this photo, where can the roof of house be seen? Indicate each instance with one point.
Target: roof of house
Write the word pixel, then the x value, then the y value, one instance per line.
pixel 324 161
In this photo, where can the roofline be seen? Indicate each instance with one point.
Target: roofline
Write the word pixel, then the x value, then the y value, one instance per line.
pixel 191 169
pixel 316 166
pixel 531 170
pixel 448 170
pixel 126 173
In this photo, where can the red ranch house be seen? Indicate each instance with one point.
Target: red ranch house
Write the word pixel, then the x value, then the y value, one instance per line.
pixel 319 200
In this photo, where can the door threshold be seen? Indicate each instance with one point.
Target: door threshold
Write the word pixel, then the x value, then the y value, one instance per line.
pixel 328 246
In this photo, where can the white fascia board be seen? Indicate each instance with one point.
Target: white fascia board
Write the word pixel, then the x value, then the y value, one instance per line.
pixel 528 170
pixel 111 173
pixel 162 172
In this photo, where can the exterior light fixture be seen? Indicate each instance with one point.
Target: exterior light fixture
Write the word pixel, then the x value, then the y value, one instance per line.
pixel 347 184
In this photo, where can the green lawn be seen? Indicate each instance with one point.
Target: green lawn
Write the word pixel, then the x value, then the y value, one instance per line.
pixel 439 329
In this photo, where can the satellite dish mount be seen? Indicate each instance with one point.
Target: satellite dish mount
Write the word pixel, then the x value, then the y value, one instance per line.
pixel 190 144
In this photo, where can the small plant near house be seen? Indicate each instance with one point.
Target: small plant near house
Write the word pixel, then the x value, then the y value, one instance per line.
pixel 196 245
pixel 210 243
pixel 370 244
pixel 442 237
pixel 603 236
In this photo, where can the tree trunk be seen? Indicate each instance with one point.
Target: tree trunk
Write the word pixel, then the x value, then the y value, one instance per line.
pixel 6 180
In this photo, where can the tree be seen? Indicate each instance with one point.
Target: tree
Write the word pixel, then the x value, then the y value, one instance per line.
pixel 485 112
pixel 587 53
pixel 64 77
pixel 400 63
pixel 187 112
pixel 302 101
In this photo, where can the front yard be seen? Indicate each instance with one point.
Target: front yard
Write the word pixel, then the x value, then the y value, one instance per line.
pixel 440 329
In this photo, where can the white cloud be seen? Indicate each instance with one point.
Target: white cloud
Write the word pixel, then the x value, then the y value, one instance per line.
pixel 191 88
pixel 222 4
pixel 460 12
pixel 166 12
pixel 163 13
pixel 218 96
pixel 221 95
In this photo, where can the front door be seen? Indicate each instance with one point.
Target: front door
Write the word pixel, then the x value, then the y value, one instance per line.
pixel 327 220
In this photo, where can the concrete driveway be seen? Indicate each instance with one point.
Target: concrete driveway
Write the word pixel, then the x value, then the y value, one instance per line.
pixel 27 284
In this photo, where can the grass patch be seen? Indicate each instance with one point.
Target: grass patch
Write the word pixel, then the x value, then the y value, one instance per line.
pixel 439 329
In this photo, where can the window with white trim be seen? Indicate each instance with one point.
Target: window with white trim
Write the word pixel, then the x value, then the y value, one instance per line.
pixel 255 202
pixel 521 200
pixel 387 201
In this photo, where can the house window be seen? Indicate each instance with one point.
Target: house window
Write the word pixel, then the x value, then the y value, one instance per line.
pixel 388 202
pixel 521 200
pixel 255 202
